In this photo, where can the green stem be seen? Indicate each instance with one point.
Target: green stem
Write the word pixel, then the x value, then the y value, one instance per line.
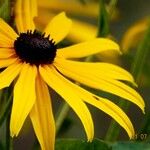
pixel 6 116
pixel 103 20
pixel 136 69
pixel 111 7
pixel 9 140
pixel 5 9
pixel 6 110
pixel 61 116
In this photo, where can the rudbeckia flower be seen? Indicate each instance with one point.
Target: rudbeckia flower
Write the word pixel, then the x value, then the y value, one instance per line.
pixel 32 60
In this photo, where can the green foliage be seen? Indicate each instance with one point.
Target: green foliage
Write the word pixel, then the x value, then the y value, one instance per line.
pixel 5 9
pixel 103 21
pixel 74 144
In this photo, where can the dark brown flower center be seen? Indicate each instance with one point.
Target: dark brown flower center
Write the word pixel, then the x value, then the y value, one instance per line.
pixel 34 48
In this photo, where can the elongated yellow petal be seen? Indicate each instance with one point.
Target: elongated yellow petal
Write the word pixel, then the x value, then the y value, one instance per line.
pixel 25 11
pixel 102 70
pixel 6 30
pixel 6 41
pixel 88 30
pixel 81 31
pixel 105 84
pixel 34 12
pixel 9 74
pixel 24 98
pixel 43 18
pixel 6 53
pixel 88 48
pixel 42 116
pixel 103 104
pixel 7 62
pixel 72 7
pixel 133 35
pixel 58 27
pixel 51 78
pixel 18 16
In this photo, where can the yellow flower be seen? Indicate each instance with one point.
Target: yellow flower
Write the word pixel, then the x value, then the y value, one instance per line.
pixel 33 59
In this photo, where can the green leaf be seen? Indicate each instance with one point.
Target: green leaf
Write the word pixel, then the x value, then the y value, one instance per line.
pixel 131 146
pixel 5 9
pixel 76 144
pixel 73 144
pixel 103 21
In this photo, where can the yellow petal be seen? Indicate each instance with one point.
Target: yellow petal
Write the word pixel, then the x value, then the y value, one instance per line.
pixel 42 116
pixel 24 98
pixel 9 74
pixel 103 104
pixel 102 70
pixel 25 11
pixel 43 18
pixel 7 62
pixel 6 52
pixel 6 41
pixel 81 31
pixel 50 77
pixel 88 31
pixel 133 35
pixel 106 84
pixel 73 7
pixel 88 48
pixel 6 30
pixel 58 27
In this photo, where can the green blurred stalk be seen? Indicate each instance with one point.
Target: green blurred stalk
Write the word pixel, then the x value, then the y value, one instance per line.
pixel 61 115
pixel 5 9
pixel 136 69
pixel 6 109
pixel 103 20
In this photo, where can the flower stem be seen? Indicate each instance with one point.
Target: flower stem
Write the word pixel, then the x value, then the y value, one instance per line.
pixel 61 116
pixel 6 116
pixel 136 69
pixel 9 141
pixel 6 110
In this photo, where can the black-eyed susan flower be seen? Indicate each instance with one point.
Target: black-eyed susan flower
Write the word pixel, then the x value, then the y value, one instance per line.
pixel 33 59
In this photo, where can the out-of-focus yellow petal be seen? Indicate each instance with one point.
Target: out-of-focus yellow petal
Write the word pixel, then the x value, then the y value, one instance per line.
pixel 88 31
pixel 88 48
pixel 6 53
pixel 42 116
pixel 7 62
pixel 43 18
pixel 58 27
pixel 81 31
pixel 50 77
pixel 103 104
pixel 134 34
pixel 24 98
pixel 6 30
pixel 72 7
pixel 9 74
pixel 106 84
pixel 102 70
pixel 25 11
